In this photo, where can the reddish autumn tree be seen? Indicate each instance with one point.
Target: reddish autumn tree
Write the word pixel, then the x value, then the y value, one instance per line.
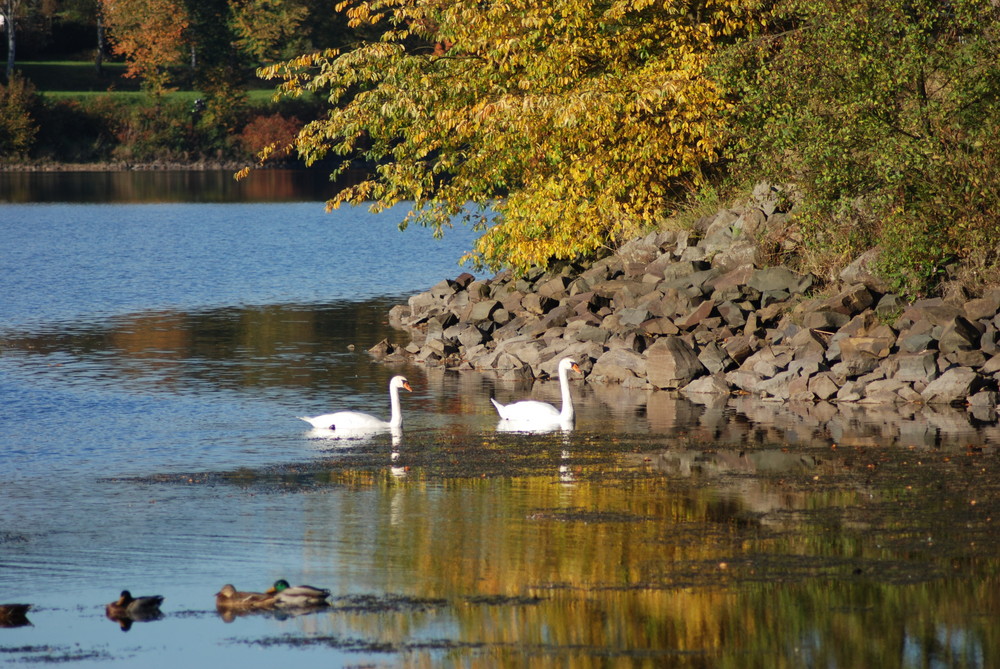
pixel 151 36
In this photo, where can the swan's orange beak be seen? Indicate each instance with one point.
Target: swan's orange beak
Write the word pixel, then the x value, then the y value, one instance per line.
pixel 576 368
pixel 406 384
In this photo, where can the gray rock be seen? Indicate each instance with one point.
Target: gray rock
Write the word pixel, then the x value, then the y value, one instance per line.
pixel 917 367
pixel 852 300
pixel 826 320
pixel 592 333
pixel 671 363
pixel 991 366
pixel 778 385
pixel 714 358
pixel 984 398
pixel 824 385
pixel 633 317
pixel 955 384
pixel 915 343
pixel 713 384
pixel 973 358
pixel 482 311
pixel 888 305
pixel 775 280
pixel 875 347
pixel 618 365
pixel 982 308
pixel 745 379
pixel 538 304
pixel 958 334
pixel 851 391
pixel 862 270
pixel 849 369
pixel 741 252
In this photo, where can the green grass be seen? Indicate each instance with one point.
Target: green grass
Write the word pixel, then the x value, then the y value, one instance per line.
pixel 76 76
pixel 78 80
pixel 254 97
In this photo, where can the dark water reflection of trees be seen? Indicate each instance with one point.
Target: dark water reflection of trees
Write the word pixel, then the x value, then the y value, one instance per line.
pixel 133 186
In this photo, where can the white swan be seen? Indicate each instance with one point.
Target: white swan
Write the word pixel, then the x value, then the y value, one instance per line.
pixel 355 421
pixel 533 412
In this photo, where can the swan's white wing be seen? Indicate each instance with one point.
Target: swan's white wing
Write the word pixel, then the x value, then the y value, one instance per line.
pixel 528 410
pixel 347 420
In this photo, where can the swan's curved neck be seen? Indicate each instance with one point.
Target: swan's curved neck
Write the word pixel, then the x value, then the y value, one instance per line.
pixel 566 414
pixel 395 415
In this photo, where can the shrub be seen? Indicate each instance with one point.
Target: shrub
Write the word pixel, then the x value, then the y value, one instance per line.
pixel 264 131
pixel 17 126
pixel 885 114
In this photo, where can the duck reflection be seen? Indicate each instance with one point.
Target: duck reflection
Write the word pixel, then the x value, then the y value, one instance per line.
pixel 128 609
pixel 14 615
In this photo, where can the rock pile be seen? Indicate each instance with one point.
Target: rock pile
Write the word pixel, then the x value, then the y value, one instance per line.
pixel 695 311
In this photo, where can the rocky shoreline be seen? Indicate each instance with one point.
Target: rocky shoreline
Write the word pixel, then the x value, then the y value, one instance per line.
pixel 697 311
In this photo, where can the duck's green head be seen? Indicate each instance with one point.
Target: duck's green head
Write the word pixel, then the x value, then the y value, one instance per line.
pixel 279 585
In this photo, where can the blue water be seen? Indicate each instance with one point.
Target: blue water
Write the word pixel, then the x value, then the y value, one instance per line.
pixel 144 339
pixel 66 261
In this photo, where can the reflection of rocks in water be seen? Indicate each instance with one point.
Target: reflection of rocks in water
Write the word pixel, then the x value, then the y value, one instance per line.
pixel 745 420
pixel 14 615
pixel 688 463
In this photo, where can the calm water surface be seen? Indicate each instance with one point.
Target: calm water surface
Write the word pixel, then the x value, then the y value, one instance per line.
pixel 153 360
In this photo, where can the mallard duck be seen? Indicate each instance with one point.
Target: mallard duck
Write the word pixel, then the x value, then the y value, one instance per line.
pixel 14 615
pixel 298 596
pixel 134 608
pixel 231 598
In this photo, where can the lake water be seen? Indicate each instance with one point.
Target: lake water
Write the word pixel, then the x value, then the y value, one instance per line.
pixel 154 356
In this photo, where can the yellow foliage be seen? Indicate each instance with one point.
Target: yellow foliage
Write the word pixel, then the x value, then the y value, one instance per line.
pixel 571 119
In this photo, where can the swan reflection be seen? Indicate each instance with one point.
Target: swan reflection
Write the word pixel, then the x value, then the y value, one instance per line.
pixel 353 437
pixel 533 426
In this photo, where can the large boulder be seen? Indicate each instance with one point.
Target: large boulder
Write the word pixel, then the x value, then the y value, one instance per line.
pixel 671 363
pixel 954 385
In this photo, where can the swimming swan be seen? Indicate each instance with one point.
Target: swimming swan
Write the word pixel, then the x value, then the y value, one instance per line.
pixel 355 421
pixel 535 412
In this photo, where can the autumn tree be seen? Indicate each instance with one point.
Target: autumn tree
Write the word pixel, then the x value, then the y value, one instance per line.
pixel 572 120
pixel 17 126
pixel 264 28
pixel 886 115
pixel 150 34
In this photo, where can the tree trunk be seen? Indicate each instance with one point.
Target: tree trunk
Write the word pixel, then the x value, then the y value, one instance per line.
pixel 7 11
pixel 99 57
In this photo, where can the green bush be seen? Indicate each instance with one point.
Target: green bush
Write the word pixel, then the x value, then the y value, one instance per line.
pixel 17 126
pixel 885 115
